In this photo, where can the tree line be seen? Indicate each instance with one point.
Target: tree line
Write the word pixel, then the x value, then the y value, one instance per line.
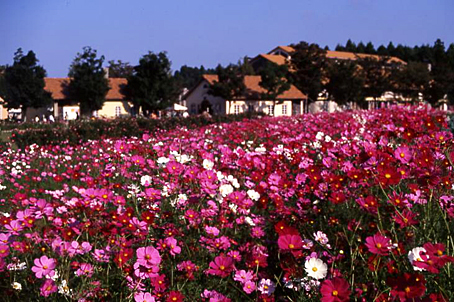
pixel 151 85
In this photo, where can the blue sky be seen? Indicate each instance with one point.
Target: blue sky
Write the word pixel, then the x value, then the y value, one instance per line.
pixel 202 32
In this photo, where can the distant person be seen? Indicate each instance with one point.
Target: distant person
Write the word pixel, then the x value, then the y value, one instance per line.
pixel 66 116
pixel 44 119
pixel 51 119
pixel 36 119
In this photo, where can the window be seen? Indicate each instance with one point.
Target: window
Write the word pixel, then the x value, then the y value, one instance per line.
pixel 193 109
pixel 270 109
pixel 236 109
pixel 284 109
pixel 117 111
pixel 250 108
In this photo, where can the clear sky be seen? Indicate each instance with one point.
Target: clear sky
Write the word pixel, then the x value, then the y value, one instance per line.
pixel 208 32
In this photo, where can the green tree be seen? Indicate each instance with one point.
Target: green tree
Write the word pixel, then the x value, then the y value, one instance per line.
pixel 245 67
pixel 346 83
pixel 188 77
pixel 350 46
pixel 2 81
pixel 442 76
pixel 308 65
pixel 23 83
pixel 119 69
pixel 370 49
pixel 88 84
pixel 230 83
pixel 151 86
pixel 377 77
pixel 273 80
pixel 411 80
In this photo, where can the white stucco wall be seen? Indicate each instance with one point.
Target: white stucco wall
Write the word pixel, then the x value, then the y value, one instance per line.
pixel 195 99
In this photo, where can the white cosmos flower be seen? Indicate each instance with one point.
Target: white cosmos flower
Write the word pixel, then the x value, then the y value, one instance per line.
pixel 316 268
pixel 253 195
pixel 414 255
pixel 17 286
pixel 208 164
pixel 145 180
pixel 225 189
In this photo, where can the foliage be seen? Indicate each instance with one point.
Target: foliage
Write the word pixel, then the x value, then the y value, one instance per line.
pixel 273 80
pixel 88 84
pixel 411 80
pixel 346 83
pixel 309 63
pixel 151 85
pixel 188 77
pixel 119 69
pixel 26 134
pixel 230 83
pixel 377 76
pixel 23 83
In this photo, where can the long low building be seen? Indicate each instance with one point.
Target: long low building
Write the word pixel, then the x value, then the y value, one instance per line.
pixel 64 107
pixel 198 99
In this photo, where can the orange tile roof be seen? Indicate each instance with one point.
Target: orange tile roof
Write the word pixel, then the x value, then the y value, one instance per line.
pixel 278 59
pixel 345 55
pixel 287 49
pixel 254 90
pixel 58 88
pixel 341 55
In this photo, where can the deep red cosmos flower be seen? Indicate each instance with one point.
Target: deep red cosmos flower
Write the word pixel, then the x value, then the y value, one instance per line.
pixel 335 290
pixel 291 243
pixel 175 296
pixel 407 286
pixel 378 244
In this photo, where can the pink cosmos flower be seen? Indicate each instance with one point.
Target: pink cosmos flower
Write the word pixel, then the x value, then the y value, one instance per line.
pixel 222 266
pixel 85 269
pixel 143 297
pixel 403 154
pixel 148 256
pixel 44 267
pixel 212 230
pixel 48 288
pixel 243 276
pixel 249 287
pixel 378 244
pixel 14 227
pixel 172 243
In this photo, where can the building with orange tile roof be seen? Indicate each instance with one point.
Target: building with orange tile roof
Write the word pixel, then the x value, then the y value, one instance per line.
pixel 115 105
pixel 290 102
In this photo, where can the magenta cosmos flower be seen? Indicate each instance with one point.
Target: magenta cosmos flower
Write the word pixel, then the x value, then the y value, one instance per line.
pixel 148 256
pixel 378 244
pixel 335 290
pixel 44 267
pixel 48 288
pixel 222 266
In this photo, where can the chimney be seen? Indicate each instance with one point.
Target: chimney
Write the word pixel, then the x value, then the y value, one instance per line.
pixel 106 72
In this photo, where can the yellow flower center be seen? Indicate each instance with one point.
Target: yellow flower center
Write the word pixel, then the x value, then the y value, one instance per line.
pixel 314 269
pixel 222 267
pixel 387 175
pixel 335 293
pixel 291 246
pixel 378 245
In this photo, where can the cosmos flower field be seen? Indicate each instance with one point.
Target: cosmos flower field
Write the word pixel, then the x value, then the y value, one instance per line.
pixel 353 206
